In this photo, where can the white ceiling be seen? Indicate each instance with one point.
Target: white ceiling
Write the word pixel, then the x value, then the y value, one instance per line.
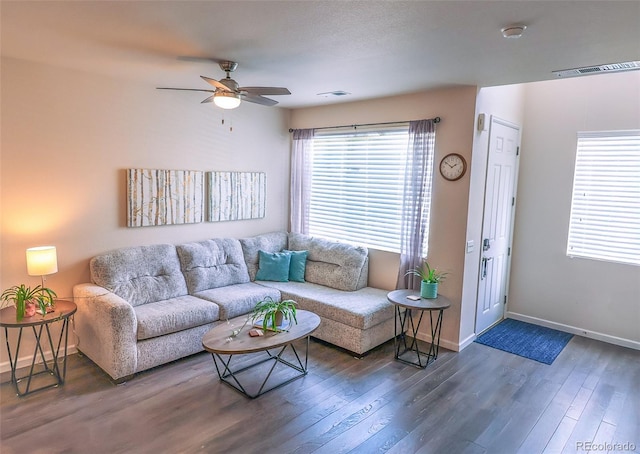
pixel 368 48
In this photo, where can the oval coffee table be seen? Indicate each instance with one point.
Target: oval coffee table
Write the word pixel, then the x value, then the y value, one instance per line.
pixel 221 341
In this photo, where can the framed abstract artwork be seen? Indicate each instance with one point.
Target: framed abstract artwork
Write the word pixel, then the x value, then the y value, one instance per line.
pixel 234 196
pixel 164 197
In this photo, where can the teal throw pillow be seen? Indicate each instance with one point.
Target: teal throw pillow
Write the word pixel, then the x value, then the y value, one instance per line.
pixel 273 266
pixel 298 265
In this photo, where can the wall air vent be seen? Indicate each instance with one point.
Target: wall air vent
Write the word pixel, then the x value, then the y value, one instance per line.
pixel 610 68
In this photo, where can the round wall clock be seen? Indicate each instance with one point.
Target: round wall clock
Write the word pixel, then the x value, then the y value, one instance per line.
pixel 453 167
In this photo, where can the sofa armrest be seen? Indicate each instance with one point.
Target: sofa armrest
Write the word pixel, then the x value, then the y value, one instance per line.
pixel 106 328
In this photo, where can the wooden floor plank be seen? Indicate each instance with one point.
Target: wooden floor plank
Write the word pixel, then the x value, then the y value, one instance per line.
pixel 560 437
pixel 480 400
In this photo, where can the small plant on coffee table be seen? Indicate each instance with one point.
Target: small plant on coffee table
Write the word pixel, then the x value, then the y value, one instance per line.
pixel 273 313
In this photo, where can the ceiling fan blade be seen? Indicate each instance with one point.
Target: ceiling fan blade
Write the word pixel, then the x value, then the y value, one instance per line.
pixel 185 89
pixel 216 84
pixel 209 99
pixel 265 90
pixel 259 100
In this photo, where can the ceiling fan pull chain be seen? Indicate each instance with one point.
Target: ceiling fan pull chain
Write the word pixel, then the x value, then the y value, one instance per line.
pixel 230 122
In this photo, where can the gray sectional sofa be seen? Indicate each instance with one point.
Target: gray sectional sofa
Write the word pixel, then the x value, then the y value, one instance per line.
pixel 150 305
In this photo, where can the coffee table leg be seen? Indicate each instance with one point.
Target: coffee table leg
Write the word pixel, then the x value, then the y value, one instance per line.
pixel 225 371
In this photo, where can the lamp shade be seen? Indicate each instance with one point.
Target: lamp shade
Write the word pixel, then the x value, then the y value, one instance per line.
pixel 226 100
pixel 42 261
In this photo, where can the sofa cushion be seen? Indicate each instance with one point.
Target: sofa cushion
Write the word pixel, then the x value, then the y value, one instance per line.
pixel 140 275
pixel 239 299
pixel 173 315
pixel 273 266
pixel 338 265
pixel 269 242
pixel 298 265
pixel 212 263
pixel 360 309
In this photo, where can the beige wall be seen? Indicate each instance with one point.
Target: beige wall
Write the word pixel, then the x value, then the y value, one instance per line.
pixel 67 138
pixel 593 298
pixel 456 107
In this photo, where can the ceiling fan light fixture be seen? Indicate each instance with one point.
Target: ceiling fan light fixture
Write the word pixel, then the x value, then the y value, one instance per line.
pixel 226 100
pixel 513 31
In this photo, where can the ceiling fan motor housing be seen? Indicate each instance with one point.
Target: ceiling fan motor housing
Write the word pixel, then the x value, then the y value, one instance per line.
pixel 229 83
pixel 228 66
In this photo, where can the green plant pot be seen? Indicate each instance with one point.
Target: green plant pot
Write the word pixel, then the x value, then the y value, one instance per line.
pixel 428 290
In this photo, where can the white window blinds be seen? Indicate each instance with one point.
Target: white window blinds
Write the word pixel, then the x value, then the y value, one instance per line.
pixel 605 209
pixel 357 184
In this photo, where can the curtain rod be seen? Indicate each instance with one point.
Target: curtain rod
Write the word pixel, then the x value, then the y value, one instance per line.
pixel 435 120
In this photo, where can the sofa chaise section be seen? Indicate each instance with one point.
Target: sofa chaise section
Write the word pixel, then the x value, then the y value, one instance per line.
pixel 354 316
pixel 356 320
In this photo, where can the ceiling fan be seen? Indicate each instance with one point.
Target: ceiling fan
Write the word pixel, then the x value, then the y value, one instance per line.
pixel 228 94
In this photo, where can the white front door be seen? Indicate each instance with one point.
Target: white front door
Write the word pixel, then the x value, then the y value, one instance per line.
pixel 499 205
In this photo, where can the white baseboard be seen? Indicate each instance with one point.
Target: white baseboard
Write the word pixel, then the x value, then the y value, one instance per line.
pixel 468 341
pixel 25 361
pixel 575 330
pixel 444 343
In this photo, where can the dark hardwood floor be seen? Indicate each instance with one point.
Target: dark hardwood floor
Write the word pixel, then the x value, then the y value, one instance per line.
pixel 478 401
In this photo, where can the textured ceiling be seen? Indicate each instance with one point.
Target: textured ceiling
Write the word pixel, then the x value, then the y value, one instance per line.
pixel 370 49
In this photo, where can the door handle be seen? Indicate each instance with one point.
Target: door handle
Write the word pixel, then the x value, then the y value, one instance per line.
pixel 485 260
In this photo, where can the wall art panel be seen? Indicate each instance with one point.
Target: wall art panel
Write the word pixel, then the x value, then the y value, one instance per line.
pixel 164 197
pixel 236 195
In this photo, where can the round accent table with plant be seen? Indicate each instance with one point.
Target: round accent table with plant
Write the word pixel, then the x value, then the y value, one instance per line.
pixel 406 345
pixel 40 323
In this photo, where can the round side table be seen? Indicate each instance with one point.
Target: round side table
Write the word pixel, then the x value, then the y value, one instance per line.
pixel 41 326
pixel 407 346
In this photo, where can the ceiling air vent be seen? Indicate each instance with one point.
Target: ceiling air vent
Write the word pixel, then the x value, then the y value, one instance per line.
pixel 334 93
pixel 610 68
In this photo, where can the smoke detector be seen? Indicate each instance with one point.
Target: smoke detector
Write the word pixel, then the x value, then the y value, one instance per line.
pixel 513 31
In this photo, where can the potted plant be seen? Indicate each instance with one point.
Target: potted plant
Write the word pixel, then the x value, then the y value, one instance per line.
pixel 273 313
pixel 25 299
pixel 430 278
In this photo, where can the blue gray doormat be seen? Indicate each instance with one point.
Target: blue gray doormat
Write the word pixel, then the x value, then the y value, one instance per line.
pixel 526 339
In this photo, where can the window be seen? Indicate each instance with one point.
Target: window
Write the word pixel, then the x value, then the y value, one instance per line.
pixel 357 184
pixel 605 208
